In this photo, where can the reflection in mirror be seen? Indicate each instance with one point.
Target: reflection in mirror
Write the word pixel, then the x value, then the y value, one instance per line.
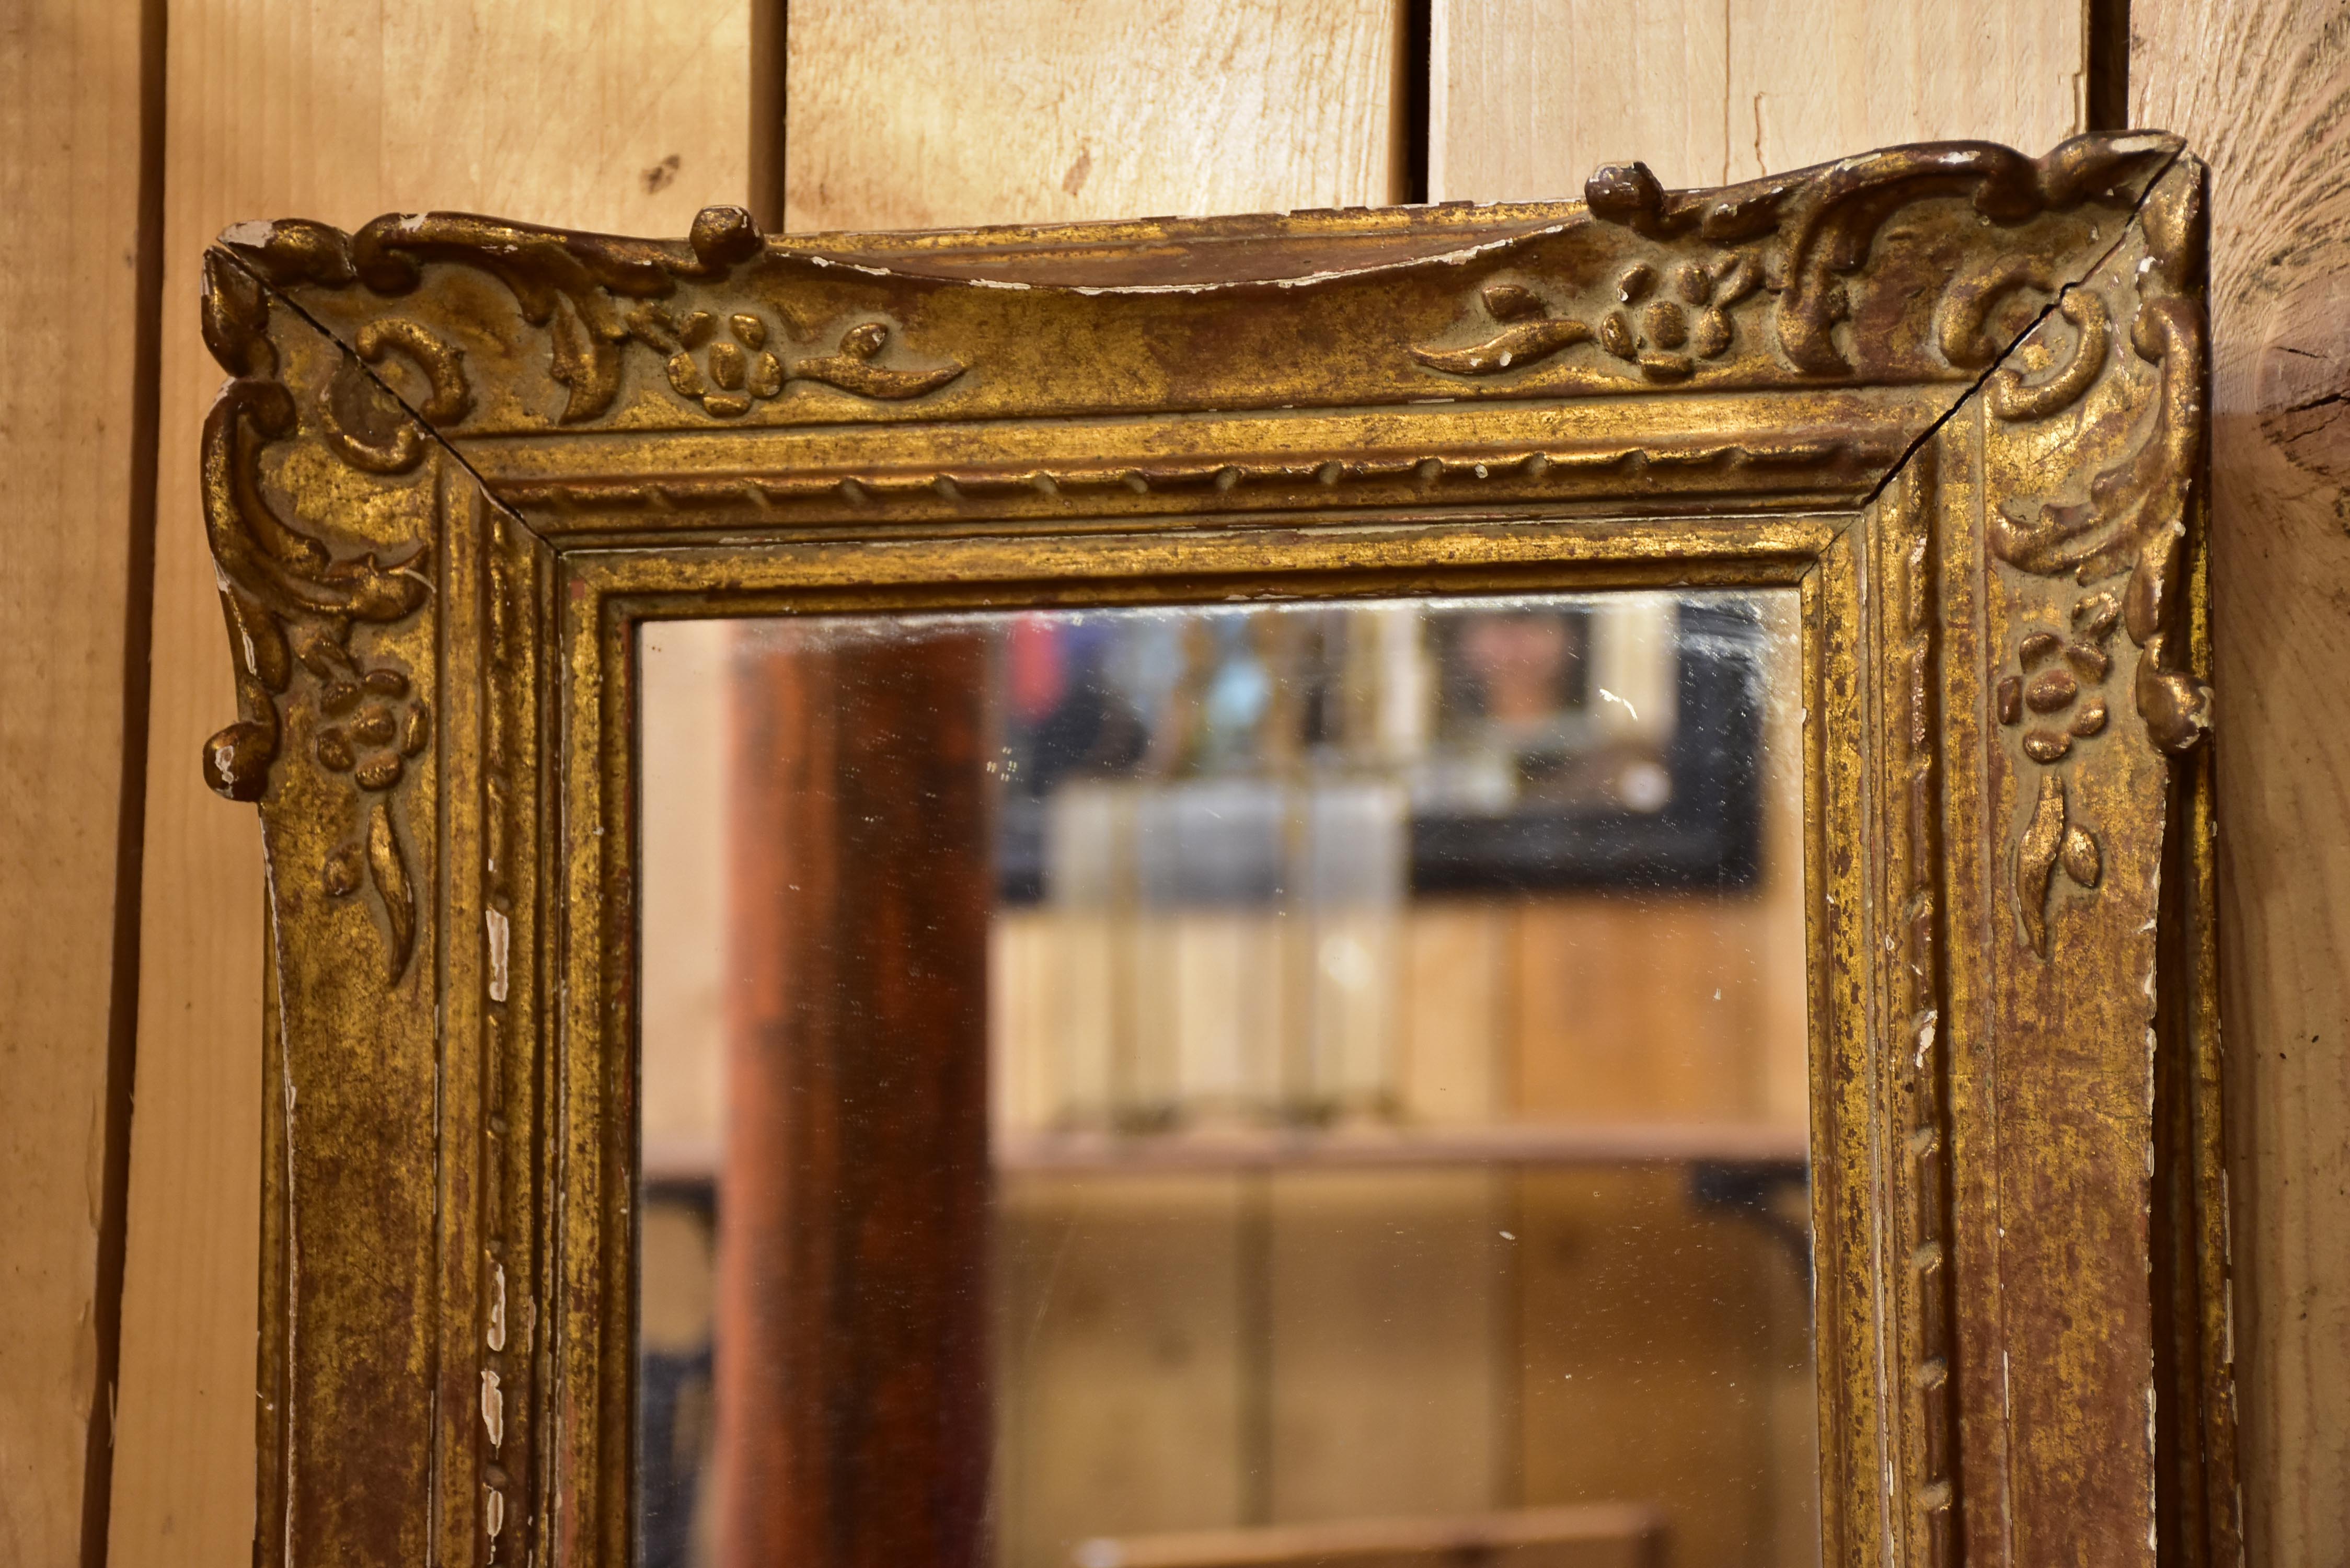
pixel 1187 1086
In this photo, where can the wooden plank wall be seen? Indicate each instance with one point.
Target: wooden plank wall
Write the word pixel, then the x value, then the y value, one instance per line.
pixel 1528 97
pixel 1038 111
pixel 75 510
pixel 1027 108
pixel 338 110
pixel 2261 90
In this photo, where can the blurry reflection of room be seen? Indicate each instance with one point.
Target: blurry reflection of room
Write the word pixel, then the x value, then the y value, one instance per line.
pixel 1397 1090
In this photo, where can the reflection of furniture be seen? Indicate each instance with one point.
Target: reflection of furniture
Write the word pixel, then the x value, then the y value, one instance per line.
pixel 1597 1535
pixel 1589 1007
pixel 1737 1144
pixel 1533 745
pixel 1271 1345
pixel 1530 1273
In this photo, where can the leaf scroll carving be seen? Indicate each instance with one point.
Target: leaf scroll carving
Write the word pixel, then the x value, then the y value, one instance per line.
pixel 593 295
pixel 2055 696
pixel 292 604
pixel 1833 237
pixel 2135 517
pixel 2132 523
pixel 850 368
pixel 400 445
pixel 1662 338
pixel 729 374
pixel 2010 398
pixel 1802 242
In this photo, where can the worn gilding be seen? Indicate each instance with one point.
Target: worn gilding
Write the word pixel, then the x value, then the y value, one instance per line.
pixel 1954 394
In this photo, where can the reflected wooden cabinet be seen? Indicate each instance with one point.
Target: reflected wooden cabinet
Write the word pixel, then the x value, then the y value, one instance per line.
pixel 1264 1018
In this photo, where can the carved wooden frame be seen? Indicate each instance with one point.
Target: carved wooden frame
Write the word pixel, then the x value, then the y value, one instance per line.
pixel 1954 394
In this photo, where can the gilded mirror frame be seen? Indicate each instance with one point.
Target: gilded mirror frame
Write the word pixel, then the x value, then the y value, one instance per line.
pixel 1953 394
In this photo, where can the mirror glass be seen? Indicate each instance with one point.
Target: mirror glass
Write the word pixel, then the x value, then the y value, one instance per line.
pixel 1166 1087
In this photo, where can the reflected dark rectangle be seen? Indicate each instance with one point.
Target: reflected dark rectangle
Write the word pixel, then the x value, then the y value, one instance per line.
pixel 1705 836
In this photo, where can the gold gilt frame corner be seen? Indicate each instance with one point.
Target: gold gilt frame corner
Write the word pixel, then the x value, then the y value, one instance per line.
pixel 1954 394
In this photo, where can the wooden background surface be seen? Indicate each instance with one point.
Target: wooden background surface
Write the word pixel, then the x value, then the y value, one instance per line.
pixel 137 128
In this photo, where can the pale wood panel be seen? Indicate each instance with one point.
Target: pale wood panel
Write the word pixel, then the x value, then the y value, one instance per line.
pixel 336 110
pixel 70 108
pixel 999 111
pixel 2261 89
pixel 1658 1345
pixel 1124 1342
pixel 1600 1537
pixel 683 686
pixel 1221 975
pixel 1639 1009
pixel 1455 1005
pixel 1387 1385
pixel 1526 98
pixel 1810 82
pixel 1583 1007
pixel 1579 1007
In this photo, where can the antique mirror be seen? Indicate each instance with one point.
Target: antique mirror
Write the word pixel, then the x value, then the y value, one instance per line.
pixel 1469 884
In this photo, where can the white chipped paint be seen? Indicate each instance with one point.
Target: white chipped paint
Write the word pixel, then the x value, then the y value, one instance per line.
pixel 500 933
pixel 1459 256
pixel 494 1407
pixel 493 1511
pixel 497 1333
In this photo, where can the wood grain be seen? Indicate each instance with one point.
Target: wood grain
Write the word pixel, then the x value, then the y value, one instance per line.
pixel 1389 1386
pixel 71 106
pixel 853 1398
pixel 1126 1413
pixel 2261 90
pixel 1633 1007
pixel 337 112
pixel 1606 1536
pixel 1657 1341
pixel 1526 98
pixel 1040 110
